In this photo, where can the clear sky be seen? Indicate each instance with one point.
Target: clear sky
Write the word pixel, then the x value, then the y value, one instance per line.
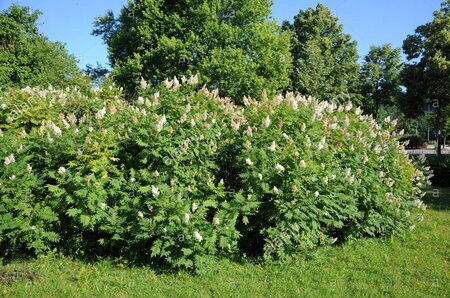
pixel 370 22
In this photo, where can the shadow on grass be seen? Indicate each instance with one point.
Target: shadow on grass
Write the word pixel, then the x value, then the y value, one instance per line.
pixel 438 198
pixel 158 266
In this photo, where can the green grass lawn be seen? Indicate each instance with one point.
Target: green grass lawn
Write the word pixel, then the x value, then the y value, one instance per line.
pixel 416 266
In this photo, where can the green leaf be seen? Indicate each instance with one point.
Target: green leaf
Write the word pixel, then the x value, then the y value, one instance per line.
pixel 210 203
pixel 85 220
pixel 141 143
pixel 144 189
pixel 245 220
pixel 72 212
pixel 187 251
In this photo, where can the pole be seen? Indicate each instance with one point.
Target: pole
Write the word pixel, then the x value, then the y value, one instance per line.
pixel 438 129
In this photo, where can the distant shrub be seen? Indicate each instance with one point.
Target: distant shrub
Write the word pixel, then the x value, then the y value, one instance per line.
pixel 183 175
pixel 413 142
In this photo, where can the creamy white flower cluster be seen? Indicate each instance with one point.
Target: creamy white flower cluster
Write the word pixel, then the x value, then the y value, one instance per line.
pixel 175 83
pixel 10 159
pixel 374 142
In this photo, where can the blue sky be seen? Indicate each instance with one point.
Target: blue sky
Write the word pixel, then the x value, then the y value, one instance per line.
pixel 370 22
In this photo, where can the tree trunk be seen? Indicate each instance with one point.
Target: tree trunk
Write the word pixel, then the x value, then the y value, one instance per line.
pixel 377 97
pixel 377 103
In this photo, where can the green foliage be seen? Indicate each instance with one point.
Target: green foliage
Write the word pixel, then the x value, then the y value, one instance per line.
pixel 138 180
pixel 418 125
pixel 185 176
pixel 427 75
pixel 231 43
pixel 324 58
pixel 441 170
pixel 380 77
pixel 324 173
pixel 28 58
pixel 414 266
pixel 446 116
pixel 97 73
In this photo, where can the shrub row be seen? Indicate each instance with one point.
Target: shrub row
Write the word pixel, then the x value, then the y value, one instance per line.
pixel 184 175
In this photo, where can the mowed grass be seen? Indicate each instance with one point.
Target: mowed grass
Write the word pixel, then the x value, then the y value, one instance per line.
pixel 416 266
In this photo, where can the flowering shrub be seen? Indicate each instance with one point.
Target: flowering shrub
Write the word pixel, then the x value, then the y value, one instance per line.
pixel 83 170
pixel 181 175
pixel 323 173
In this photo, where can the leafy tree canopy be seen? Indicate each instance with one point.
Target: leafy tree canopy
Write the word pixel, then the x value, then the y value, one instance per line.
pixel 380 78
pixel 232 44
pixel 324 58
pixel 28 57
pixel 96 73
pixel 427 75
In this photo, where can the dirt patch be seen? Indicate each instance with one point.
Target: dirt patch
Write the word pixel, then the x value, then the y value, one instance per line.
pixel 10 276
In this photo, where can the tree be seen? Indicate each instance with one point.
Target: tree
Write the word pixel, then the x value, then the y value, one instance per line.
pixel 446 125
pixel 232 44
pixel 427 74
pixel 96 73
pixel 324 58
pixel 28 57
pixel 380 78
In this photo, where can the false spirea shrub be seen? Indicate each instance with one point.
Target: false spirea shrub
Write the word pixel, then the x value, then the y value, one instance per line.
pixel 94 173
pixel 183 175
pixel 324 173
